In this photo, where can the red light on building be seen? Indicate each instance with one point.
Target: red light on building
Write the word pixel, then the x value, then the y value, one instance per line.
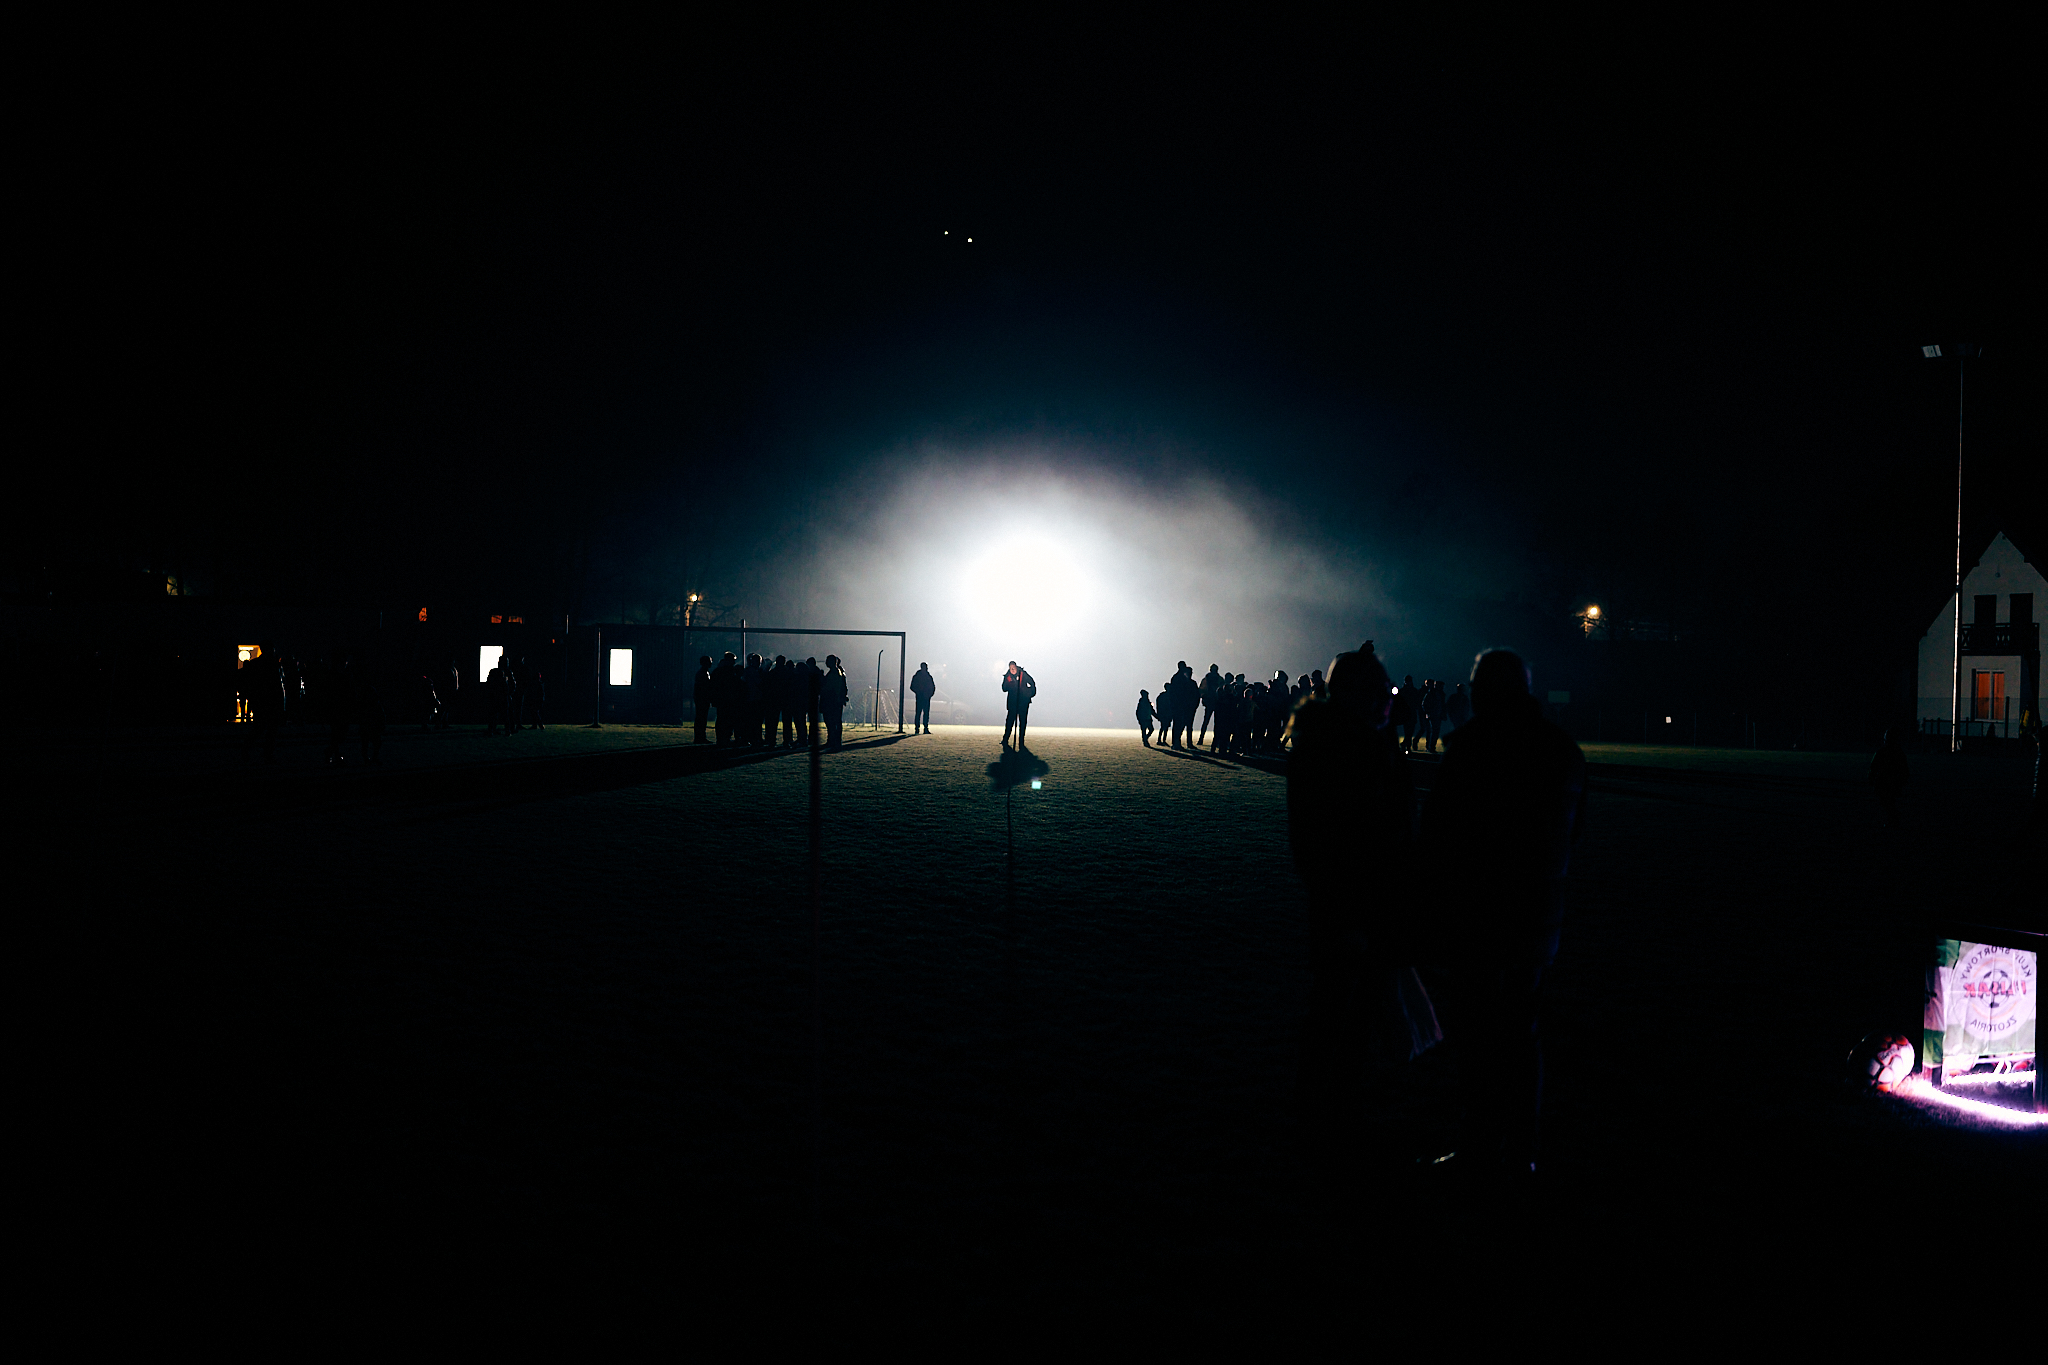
pixel 423 613
pixel 497 620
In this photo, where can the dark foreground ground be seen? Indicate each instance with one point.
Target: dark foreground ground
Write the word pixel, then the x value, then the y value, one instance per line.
pixel 552 998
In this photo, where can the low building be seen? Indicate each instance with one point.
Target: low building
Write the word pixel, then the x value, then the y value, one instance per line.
pixel 2001 646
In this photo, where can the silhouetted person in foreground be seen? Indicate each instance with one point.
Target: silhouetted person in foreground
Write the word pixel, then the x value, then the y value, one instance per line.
pixel 1888 776
pixel 1018 690
pixel 1145 717
pixel 922 685
pixel 832 699
pixel 1506 806
pixel 1350 823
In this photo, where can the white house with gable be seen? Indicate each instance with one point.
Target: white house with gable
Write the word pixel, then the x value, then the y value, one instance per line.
pixel 2001 647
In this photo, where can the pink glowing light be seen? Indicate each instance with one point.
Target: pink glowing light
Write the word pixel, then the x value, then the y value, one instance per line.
pixel 1916 1090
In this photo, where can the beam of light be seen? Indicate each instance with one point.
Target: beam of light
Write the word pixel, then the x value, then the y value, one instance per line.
pixel 1917 1090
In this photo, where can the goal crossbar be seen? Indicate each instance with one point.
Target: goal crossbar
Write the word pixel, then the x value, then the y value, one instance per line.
pixel 902 639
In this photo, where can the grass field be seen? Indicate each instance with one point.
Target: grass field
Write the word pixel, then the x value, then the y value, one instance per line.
pixel 557 990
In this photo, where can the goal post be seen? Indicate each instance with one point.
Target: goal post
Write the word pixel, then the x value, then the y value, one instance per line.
pixel 902 639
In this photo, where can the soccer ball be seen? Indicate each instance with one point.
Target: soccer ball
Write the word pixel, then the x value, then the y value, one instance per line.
pixel 1880 1061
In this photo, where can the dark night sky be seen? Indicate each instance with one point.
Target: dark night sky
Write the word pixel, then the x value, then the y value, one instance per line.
pixel 1639 330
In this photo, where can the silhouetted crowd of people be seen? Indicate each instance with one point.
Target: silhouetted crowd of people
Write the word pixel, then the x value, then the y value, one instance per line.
pixel 1238 715
pixel 769 704
pixel 1241 715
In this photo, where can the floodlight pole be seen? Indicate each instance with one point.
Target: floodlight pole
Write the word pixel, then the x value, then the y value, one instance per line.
pixel 877 708
pixel 1955 691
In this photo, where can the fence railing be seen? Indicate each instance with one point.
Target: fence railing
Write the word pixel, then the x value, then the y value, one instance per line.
pixel 1937 727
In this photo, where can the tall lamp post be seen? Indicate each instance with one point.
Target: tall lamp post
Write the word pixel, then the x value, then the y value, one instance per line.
pixel 1963 354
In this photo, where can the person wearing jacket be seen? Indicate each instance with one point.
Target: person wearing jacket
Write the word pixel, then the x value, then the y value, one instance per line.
pixel 922 685
pixel 1018 690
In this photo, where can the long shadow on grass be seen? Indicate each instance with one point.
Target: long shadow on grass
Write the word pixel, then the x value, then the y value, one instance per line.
pixel 1265 763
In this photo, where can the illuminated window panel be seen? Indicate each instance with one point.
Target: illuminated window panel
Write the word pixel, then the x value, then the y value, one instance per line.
pixel 487 659
pixel 622 668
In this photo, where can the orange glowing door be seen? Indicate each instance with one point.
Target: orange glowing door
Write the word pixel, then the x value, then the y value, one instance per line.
pixel 1989 702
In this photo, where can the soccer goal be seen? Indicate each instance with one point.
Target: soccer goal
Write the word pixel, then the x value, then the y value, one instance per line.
pixel 872 712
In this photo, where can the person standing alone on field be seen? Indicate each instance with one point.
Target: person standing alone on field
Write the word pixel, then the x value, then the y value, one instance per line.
pixel 922 686
pixel 1145 717
pixel 1018 690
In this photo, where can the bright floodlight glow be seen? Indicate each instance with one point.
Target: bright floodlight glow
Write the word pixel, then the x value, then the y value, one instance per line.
pixel 622 668
pixel 1593 611
pixel 487 659
pixel 1025 588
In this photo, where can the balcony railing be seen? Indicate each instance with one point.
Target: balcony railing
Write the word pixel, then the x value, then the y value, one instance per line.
pixel 2003 638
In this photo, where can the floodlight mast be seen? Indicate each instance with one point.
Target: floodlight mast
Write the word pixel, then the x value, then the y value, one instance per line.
pixel 1955 689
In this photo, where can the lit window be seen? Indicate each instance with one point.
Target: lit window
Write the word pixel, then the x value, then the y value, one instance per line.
pixel 244 653
pixel 1988 703
pixel 487 659
pixel 622 668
